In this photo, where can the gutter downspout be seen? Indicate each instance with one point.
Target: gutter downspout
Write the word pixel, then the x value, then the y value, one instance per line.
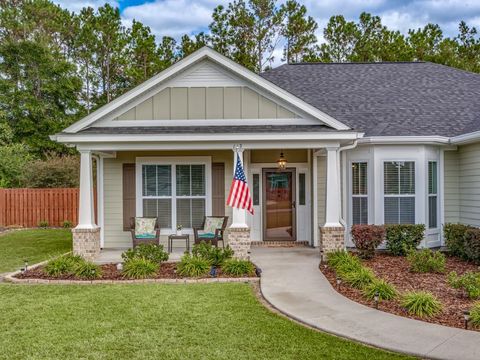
pixel 341 149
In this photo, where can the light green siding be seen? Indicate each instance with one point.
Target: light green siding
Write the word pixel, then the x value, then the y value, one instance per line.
pixel 161 105
pixel 196 103
pixel 179 103
pixel 452 196
pixel 215 103
pixel 469 184
pixel 232 107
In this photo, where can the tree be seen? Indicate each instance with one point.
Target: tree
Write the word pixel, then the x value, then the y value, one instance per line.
pixel 189 44
pixel 13 158
pixel 166 52
pixel 299 32
pixel 340 39
pixel 468 47
pixel 368 38
pixel 425 42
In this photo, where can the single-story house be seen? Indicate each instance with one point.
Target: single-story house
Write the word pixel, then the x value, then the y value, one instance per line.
pixel 356 143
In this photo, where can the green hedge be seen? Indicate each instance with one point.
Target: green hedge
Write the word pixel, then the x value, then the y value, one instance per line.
pixel 454 235
pixel 472 245
pixel 403 236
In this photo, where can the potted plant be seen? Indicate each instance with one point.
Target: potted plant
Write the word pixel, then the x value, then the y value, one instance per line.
pixel 179 230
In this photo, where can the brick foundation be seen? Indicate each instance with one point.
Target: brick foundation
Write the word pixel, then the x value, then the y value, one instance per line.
pixel 240 242
pixel 86 243
pixel 332 238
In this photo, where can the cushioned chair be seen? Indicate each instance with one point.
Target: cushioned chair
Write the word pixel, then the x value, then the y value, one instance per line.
pixel 144 230
pixel 212 230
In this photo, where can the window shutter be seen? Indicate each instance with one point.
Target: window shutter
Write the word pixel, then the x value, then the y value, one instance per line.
pixel 128 194
pixel 218 189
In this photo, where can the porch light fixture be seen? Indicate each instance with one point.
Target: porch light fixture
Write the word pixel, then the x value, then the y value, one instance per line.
pixel 466 318
pixel 282 162
pixel 376 298
pixel 339 282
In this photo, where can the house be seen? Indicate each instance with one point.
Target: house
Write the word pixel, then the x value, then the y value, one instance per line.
pixel 363 143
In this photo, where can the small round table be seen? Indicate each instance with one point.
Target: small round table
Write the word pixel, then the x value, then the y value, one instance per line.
pixel 172 237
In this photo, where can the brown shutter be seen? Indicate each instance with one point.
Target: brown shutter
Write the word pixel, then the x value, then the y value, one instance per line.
pixel 128 195
pixel 218 189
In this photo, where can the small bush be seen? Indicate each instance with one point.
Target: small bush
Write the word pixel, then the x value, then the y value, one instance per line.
pixel 342 261
pixel 67 224
pixel 87 270
pixel 213 254
pixel 403 236
pixel 421 303
pixel 236 267
pixel 454 235
pixel 472 245
pixel 385 290
pixel 359 278
pixel 43 224
pixel 139 268
pixel 426 261
pixel 367 238
pixel 475 315
pixel 63 265
pixel 152 252
pixel 193 266
pixel 468 282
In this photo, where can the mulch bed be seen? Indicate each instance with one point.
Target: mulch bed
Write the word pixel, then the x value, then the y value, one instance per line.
pixel 110 272
pixel 395 270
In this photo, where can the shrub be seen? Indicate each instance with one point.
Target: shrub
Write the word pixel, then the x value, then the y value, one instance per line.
pixel 421 303
pixel 87 270
pixel 139 268
pixel 475 315
pixel 342 261
pixel 63 265
pixel 214 255
pixel 472 245
pixel 385 290
pixel 43 224
pixel 426 261
pixel 67 224
pixel 152 252
pixel 193 266
pixel 455 238
pixel 52 172
pixel 236 267
pixel 468 282
pixel 366 239
pixel 403 236
pixel 359 278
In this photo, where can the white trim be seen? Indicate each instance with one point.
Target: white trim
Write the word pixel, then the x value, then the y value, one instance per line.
pixel 441 188
pixel 210 122
pixel 100 198
pixel 399 140
pixel 466 138
pixel 173 160
pixel 206 53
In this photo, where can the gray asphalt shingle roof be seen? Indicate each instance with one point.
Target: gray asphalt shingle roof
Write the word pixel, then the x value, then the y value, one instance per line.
pixel 386 99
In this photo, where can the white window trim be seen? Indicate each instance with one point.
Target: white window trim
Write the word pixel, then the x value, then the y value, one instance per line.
pixel 169 160
pixel 350 190
pixel 437 195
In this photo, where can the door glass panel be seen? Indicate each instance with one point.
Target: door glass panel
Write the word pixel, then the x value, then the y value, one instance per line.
pixel 279 209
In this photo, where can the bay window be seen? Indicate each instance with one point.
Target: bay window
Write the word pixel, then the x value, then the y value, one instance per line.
pixel 432 195
pixel 399 192
pixel 359 193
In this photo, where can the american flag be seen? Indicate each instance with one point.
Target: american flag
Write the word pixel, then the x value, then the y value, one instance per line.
pixel 239 196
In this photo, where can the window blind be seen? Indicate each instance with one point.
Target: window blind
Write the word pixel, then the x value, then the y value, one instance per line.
pixel 432 195
pixel 399 191
pixel 359 193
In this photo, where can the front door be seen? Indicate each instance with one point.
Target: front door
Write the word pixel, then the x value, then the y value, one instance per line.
pixel 279 205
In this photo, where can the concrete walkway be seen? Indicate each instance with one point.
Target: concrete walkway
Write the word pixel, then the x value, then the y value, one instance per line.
pixel 292 282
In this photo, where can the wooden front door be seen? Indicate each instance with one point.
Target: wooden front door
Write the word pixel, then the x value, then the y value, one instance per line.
pixel 279 205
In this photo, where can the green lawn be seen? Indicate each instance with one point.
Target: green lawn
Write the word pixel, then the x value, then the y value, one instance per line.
pixel 151 321
pixel 33 245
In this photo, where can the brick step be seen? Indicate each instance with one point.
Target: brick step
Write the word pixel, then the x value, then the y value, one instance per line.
pixel 279 243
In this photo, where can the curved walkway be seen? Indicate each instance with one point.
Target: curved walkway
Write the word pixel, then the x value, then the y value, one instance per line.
pixel 292 282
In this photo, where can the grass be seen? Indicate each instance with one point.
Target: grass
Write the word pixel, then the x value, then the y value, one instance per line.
pixel 34 245
pixel 151 321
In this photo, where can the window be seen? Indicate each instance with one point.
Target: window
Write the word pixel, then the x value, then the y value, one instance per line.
pixel 176 194
pixel 432 194
pixel 301 189
pixel 256 189
pixel 399 190
pixel 359 193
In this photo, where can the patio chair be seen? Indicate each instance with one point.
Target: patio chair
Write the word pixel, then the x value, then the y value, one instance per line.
pixel 144 230
pixel 212 230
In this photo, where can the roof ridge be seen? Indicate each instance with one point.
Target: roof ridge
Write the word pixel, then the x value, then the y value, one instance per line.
pixel 358 62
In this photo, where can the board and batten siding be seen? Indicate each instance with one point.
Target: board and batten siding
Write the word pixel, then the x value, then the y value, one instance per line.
pixel 198 103
pixel 114 235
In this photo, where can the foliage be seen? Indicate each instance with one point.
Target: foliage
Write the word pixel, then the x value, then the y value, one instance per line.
pixel 475 315
pixel 63 265
pixel 469 282
pixel 237 267
pixel 421 303
pixel 342 261
pixel 400 237
pixel 454 235
pixel 52 172
pixel 426 261
pixel 67 224
pixel 139 268
pixel 43 224
pixel 87 270
pixel 472 245
pixel 359 278
pixel 193 266
pixel 366 239
pixel 213 254
pixel 152 252
pixel 384 290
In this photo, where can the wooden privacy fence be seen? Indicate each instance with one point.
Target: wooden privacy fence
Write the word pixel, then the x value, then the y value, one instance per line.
pixel 28 207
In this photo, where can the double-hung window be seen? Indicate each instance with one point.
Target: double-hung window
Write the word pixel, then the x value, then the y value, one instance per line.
pixel 175 193
pixel 432 195
pixel 359 193
pixel 399 192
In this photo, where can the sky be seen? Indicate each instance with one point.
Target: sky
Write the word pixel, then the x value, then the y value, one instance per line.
pixel 177 17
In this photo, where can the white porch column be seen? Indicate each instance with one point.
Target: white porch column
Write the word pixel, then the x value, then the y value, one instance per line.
pixel 86 236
